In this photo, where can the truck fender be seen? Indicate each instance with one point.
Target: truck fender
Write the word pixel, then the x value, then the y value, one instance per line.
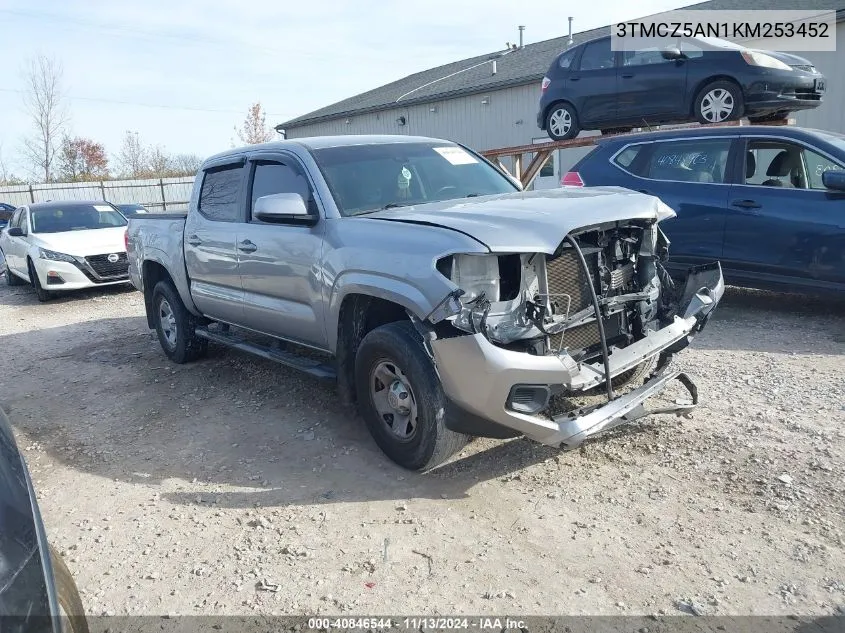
pixel 381 286
pixel 175 270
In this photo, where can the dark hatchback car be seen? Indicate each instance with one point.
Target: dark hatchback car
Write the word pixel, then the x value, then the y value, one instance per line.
pixel 591 87
pixel 768 202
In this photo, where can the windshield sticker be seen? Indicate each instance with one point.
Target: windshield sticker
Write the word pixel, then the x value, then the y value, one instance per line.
pixel 102 207
pixel 456 155
pixel 404 178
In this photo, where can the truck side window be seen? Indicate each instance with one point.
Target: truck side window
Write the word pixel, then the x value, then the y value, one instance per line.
pixel 219 193
pixel 273 177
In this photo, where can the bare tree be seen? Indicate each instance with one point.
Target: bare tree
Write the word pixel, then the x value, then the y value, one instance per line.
pixel 254 129
pixel 185 164
pixel 45 106
pixel 133 156
pixel 158 162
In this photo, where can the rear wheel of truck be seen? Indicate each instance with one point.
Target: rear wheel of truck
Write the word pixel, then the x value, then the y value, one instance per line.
pixel 401 399
pixel 176 326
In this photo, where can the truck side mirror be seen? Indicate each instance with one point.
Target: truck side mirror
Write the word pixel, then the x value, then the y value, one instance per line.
pixel 832 179
pixel 282 208
pixel 15 231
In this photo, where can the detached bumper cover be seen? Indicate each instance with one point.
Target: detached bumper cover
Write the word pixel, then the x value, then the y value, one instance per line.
pixel 477 376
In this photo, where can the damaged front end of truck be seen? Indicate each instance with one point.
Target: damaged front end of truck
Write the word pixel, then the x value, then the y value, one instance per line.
pixel 524 335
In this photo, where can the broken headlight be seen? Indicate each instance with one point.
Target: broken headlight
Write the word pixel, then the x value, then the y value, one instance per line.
pixel 477 275
pixel 498 290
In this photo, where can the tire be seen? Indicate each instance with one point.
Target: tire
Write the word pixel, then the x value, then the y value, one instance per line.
pixel 394 352
pixel 43 295
pixel 713 94
pixel 176 326
pixel 68 594
pixel 12 279
pixel 562 122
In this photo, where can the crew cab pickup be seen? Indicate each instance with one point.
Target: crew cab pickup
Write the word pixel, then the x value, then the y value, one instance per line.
pixel 444 300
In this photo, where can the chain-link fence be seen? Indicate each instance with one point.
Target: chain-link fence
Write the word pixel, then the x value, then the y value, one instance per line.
pixel 158 194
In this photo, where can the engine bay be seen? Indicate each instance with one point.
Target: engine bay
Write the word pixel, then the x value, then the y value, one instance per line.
pixel 544 304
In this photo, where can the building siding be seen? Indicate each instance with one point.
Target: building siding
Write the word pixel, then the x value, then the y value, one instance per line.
pixel 510 116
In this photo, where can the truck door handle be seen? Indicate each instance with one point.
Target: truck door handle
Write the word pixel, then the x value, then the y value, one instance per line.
pixel 247 247
pixel 575 78
pixel 627 75
pixel 746 204
pixel 193 240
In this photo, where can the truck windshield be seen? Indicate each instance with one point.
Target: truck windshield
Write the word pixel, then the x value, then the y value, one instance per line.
pixel 366 178
pixel 74 217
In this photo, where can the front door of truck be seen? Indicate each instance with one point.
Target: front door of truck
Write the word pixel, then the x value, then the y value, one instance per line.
pixel 279 263
pixel 210 237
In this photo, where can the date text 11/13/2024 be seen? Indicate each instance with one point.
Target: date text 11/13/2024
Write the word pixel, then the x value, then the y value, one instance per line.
pixel 415 623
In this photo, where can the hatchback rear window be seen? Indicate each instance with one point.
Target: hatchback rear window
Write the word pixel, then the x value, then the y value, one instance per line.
pixel 693 160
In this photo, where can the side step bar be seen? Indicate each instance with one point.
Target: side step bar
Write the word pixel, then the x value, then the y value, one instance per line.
pixel 308 365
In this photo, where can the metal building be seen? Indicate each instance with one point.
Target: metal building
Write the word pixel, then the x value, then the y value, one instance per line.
pixel 490 101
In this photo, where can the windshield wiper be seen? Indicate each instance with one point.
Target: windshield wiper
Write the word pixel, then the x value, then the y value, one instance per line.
pixel 393 205
pixel 472 195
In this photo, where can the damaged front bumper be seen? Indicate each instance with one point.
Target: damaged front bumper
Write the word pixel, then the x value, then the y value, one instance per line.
pixel 495 392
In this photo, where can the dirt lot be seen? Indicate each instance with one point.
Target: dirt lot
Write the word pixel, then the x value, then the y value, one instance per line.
pixel 234 485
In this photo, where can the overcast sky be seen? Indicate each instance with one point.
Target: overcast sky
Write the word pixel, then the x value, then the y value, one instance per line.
pixel 182 73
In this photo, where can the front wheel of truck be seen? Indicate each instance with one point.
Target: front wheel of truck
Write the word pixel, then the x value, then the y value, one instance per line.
pixel 401 399
pixel 176 326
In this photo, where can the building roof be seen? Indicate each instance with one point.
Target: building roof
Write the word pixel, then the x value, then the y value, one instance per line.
pixel 513 68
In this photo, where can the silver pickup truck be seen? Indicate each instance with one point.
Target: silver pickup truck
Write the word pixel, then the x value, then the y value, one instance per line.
pixel 444 300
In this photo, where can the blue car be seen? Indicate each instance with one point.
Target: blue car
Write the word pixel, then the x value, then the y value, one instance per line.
pixel 768 202
pixel 6 211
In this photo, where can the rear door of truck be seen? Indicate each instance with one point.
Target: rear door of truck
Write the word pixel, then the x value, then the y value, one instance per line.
pixel 211 231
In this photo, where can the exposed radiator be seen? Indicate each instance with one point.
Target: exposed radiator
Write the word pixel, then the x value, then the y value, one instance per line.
pixel 565 277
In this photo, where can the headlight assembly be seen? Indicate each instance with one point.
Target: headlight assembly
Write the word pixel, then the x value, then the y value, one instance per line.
pixel 764 61
pixel 477 275
pixel 43 253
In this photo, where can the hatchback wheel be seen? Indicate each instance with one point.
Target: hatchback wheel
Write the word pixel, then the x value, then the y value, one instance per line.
pixel 719 101
pixel 562 122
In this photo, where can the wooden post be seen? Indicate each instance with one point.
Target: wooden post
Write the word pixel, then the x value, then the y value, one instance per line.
pixel 163 197
pixel 31 194
pixel 103 190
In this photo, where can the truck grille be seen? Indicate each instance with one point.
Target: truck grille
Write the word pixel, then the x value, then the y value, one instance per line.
pixel 105 269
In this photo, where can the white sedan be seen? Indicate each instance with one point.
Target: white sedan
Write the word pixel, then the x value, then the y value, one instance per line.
pixel 65 246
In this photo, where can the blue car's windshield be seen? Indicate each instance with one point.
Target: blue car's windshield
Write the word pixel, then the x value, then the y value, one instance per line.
pixel 365 178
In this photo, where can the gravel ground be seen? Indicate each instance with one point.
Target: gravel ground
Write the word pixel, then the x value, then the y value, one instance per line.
pixel 235 486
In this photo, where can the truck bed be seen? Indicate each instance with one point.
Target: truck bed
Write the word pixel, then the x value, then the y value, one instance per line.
pixel 157 237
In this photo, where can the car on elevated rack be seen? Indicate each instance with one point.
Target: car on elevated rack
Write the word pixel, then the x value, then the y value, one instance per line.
pixel 767 202
pixel 592 87
pixel 65 246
